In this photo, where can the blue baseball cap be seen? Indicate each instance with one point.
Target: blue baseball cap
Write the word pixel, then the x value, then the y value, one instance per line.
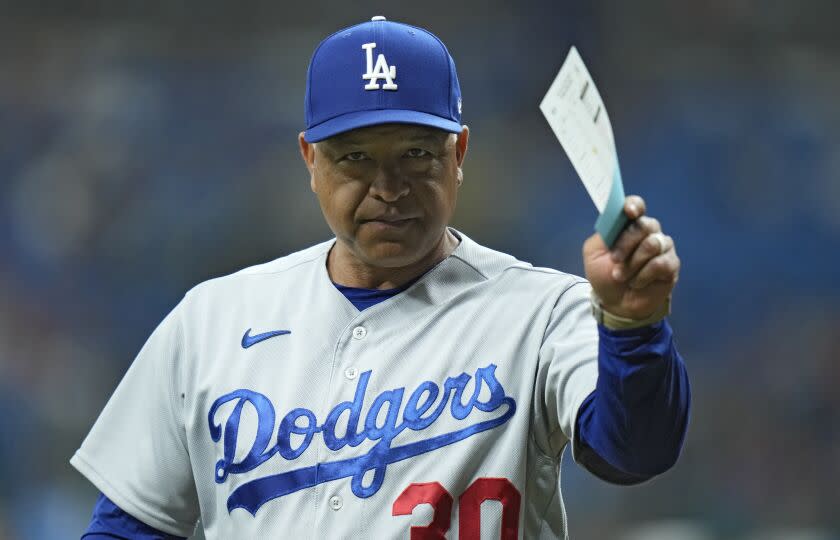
pixel 380 72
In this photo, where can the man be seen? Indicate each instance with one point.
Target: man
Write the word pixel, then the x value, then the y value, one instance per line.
pixel 386 383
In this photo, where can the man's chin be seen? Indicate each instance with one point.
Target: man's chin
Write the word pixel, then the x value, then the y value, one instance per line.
pixel 392 254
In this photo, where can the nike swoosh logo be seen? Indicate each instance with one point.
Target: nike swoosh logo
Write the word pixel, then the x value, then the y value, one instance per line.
pixel 248 339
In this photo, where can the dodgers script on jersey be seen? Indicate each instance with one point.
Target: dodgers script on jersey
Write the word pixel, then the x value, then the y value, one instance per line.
pixel 289 413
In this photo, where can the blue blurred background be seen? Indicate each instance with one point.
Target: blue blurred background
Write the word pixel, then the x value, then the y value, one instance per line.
pixel 147 146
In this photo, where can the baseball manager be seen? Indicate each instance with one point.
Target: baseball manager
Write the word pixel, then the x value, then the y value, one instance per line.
pixel 387 382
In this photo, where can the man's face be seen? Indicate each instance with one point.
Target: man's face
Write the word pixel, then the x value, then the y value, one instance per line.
pixel 387 191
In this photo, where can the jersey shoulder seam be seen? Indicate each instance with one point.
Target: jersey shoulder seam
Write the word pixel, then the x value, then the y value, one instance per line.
pixel 515 264
pixel 525 267
pixel 283 266
pixel 252 270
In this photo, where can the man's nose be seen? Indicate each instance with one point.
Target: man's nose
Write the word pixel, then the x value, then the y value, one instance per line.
pixel 388 185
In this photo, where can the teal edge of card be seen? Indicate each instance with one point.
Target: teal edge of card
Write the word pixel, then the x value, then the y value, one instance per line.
pixel 613 219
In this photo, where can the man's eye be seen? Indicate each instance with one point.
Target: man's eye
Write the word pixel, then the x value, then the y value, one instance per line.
pixel 355 156
pixel 416 153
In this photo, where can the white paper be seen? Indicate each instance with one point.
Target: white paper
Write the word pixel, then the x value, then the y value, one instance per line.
pixel 576 113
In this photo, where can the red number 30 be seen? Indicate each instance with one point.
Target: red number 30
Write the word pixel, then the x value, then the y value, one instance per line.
pixel 469 522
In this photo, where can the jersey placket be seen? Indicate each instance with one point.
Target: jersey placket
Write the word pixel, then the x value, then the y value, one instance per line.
pixel 337 505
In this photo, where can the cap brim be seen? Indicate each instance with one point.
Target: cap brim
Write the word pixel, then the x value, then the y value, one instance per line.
pixel 359 119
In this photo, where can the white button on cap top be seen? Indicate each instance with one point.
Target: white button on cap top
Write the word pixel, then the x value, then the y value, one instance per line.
pixel 351 373
pixel 336 502
pixel 359 332
pixel 378 18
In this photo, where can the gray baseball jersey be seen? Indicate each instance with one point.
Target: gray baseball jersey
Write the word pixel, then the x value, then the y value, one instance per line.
pixel 267 405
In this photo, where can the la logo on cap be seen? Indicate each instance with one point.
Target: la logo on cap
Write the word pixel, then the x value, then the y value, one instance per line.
pixel 379 71
pixel 336 102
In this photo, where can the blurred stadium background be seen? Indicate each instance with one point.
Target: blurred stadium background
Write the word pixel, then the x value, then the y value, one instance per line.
pixel 147 146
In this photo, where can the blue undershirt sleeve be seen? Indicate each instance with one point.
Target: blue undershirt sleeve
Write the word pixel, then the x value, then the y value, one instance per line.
pixel 633 425
pixel 109 521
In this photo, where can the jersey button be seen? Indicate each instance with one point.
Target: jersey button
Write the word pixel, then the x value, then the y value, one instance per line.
pixel 359 332
pixel 336 503
pixel 351 373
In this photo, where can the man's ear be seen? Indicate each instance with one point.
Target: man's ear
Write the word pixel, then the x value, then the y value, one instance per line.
pixel 461 144
pixel 307 152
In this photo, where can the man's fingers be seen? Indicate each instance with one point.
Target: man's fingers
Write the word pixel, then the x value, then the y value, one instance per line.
pixel 664 268
pixel 634 206
pixel 651 246
pixel 629 239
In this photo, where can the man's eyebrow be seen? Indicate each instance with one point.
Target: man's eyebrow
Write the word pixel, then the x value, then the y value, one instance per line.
pixel 335 143
pixel 433 136
pixel 343 139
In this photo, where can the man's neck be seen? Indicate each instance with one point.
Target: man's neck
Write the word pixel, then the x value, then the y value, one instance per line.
pixel 346 269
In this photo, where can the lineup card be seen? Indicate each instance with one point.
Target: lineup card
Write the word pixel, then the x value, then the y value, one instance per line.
pixel 576 114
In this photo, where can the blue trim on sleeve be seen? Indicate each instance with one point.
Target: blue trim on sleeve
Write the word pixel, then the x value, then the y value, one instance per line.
pixel 109 521
pixel 632 427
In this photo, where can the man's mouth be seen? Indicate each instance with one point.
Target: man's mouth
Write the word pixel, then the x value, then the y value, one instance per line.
pixel 389 222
